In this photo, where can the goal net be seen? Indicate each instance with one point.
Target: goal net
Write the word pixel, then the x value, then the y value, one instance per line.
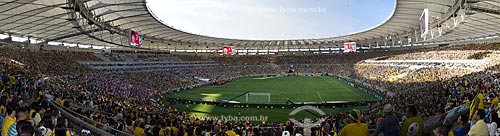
pixel 258 98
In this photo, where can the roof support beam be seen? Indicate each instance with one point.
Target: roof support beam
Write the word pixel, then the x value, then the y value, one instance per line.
pixel 135 3
pixel 75 34
pixel 123 10
pixel 126 17
pixel 30 13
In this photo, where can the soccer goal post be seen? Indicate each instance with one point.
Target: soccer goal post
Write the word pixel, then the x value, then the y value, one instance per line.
pixel 258 98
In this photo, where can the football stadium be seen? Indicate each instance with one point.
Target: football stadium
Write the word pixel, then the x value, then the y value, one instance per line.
pixel 119 68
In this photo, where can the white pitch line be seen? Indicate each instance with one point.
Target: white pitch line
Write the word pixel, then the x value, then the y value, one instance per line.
pixel 343 86
pixel 321 99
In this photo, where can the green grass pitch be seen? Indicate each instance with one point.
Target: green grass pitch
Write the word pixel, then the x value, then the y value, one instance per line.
pixel 296 89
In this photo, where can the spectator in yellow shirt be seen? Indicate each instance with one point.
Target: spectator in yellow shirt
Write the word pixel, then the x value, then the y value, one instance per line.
pixel 478 102
pixel 414 125
pixel 494 101
pixel 139 128
pixel 355 128
pixel 230 131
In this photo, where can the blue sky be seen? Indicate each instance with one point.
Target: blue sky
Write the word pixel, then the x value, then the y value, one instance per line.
pixel 272 19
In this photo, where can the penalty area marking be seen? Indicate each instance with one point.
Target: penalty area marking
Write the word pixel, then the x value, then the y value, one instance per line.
pixel 320 97
pixel 344 86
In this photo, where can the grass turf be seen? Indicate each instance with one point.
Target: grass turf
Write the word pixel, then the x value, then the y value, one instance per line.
pixel 297 89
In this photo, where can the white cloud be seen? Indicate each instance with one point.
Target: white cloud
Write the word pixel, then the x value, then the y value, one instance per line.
pixel 252 19
pixel 229 19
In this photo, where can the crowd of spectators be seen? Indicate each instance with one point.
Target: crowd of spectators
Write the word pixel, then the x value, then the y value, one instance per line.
pixel 127 102
pixel 137 57
pixel 22 107
pixel 444 54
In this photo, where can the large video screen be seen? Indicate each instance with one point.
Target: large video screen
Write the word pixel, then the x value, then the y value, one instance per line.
pixel 229 50
pixel 135 38
pixel 424 22
pixel 350 47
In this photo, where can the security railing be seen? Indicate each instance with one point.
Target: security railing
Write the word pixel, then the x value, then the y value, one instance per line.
pixel 79 119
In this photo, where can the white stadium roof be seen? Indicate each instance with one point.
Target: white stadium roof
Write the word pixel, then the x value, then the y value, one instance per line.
pixel 106 22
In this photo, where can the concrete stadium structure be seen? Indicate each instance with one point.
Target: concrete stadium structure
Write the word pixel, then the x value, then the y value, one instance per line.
pixel 104 24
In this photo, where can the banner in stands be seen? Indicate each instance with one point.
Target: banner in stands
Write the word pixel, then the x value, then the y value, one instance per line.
pixel 228 50
pixel 135 38
pixel 350 47
pixel 424 22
